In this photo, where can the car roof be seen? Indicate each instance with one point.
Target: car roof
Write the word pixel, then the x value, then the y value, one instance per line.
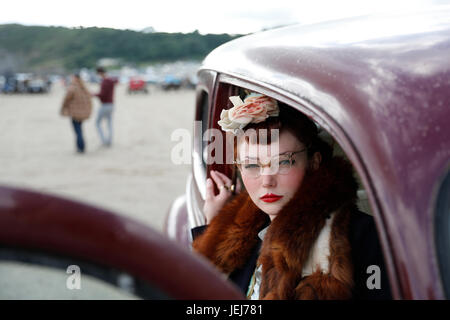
pixel 383 79
pixel 283 55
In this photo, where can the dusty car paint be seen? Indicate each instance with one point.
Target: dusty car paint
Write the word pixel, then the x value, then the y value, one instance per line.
pixel 31 220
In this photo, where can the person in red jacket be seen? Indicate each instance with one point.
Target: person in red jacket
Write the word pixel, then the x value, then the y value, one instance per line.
pixel 106 96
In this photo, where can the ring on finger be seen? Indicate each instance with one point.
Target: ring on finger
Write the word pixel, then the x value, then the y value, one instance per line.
pixel 231 188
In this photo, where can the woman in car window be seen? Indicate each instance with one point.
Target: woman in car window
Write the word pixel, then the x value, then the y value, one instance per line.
pixel 295 232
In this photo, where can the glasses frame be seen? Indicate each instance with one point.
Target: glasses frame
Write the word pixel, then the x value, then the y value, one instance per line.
pixel 238 163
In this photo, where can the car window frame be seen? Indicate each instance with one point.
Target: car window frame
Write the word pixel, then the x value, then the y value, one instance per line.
pixel 441 230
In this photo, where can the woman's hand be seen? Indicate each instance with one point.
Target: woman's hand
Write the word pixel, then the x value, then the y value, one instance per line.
pixel 213 203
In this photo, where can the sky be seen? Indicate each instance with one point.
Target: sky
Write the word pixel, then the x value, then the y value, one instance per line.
pixel 206 16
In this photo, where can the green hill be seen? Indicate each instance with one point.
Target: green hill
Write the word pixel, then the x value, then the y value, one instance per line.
pixel 35 47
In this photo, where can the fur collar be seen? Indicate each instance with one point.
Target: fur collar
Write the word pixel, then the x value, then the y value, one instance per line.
pixel 310 227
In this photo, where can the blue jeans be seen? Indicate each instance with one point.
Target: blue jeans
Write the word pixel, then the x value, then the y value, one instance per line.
pixel 79 135
pixel 105 113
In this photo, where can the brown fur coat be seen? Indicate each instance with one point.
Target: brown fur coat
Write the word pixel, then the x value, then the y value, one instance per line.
pixel 327 193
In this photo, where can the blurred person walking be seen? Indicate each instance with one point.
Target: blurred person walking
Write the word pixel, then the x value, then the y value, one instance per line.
pixel 106 96
pixel 77 104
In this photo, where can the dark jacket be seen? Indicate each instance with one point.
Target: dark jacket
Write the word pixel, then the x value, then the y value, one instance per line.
pixel 106 93
pixel 326 197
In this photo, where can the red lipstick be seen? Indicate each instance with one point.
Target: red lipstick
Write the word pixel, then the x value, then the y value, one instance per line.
pixel 270 197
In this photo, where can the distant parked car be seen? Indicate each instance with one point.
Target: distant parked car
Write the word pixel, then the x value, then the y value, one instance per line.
pixel 9 84
pixel 379 88
pixel 14 84
pixel 190 82
pixel 25 83
pixel 171 83
pixel 38 85
pixel 137 85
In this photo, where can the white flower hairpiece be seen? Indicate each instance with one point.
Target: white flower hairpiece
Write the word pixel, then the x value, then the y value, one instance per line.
pixel 255 108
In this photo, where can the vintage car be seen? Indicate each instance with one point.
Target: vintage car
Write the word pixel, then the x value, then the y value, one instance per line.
pixel 171 82
pixel 136 84
pixel 24 83
pixel 55 248
pixel 379 89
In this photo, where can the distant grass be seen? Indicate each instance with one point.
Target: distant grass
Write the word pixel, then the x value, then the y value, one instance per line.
pixel 59 47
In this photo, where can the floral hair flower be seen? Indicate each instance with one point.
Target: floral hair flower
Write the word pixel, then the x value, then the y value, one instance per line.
pixel 255 108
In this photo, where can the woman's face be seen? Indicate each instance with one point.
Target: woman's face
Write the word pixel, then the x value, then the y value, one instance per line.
pixel 272 190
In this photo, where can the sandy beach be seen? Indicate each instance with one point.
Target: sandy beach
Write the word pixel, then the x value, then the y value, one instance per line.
pixel 135 177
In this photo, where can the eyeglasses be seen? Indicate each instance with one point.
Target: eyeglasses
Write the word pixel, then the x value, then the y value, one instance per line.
pixel 280 164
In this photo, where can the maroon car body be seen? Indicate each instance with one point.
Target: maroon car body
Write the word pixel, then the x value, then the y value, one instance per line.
pixel 380 86
pixel 57 229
